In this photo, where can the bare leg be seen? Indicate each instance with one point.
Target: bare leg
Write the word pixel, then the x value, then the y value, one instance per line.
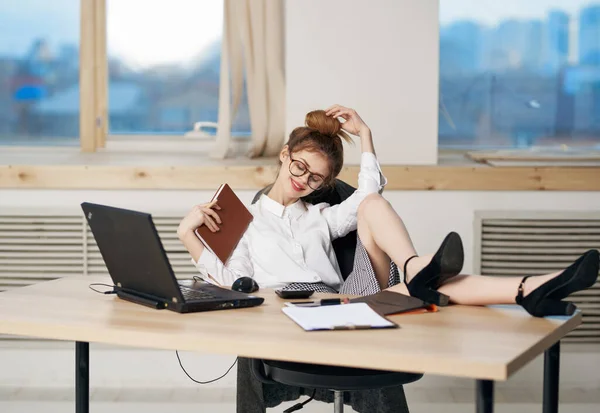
pixel 380 228
pixel 384 236
pixel 379 259
pixel 400 288
pixel 482 290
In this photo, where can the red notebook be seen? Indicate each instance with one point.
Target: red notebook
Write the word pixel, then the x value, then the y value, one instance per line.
pixel 235 219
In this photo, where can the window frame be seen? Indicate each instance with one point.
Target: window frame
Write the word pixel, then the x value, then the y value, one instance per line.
pixel 93 100
pixel 93 71
pixel 146 141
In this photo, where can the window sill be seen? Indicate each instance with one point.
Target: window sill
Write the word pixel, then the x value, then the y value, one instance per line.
pixel 542 156
pixel 62 168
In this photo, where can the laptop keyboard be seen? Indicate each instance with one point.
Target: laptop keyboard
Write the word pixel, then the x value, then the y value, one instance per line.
pixel 192 294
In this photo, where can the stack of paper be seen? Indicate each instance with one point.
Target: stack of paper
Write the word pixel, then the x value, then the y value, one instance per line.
pixel 337 317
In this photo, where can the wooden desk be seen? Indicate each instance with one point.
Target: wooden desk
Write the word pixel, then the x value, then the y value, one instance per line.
pixel 486 344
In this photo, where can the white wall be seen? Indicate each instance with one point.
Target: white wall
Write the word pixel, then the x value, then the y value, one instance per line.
pixel 112 367
pixel 380 58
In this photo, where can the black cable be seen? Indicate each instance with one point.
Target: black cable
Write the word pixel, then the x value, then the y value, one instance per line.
pixel 299 406
pixel 196 278
pixel 104 285
pixel 204 382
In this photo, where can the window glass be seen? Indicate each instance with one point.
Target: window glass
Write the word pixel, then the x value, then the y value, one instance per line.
pixel 39 72
pixel 164 61
pixel 518 74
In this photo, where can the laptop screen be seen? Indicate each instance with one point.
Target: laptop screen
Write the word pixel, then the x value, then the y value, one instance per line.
pixel 132 251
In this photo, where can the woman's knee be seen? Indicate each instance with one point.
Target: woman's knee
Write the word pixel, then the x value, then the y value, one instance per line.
pixel 371 202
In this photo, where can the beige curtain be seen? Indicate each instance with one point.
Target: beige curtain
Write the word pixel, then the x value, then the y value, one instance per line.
pixel 253 43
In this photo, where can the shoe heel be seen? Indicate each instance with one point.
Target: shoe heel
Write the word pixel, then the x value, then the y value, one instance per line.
pixel 431 296
pixel 549 307
pixel 452 258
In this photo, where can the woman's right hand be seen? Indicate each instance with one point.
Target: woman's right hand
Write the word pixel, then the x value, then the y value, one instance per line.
pixel 200 215
pixel 353 123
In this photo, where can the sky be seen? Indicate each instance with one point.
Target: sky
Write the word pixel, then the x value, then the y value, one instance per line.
pixel 141 32
pixel 23 21
pixel 144 33
pixel 490 12
pixel 148 32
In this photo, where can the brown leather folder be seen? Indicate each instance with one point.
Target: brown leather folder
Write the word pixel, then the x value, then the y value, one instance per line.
pixel 388 302
pixel 235 219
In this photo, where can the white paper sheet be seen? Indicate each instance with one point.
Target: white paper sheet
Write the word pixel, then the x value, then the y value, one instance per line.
pixel 333 317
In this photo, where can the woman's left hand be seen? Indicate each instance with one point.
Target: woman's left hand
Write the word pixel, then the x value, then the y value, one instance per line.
pixel 353 123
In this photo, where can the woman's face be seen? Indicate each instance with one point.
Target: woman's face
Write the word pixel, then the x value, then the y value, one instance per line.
pixel 303 172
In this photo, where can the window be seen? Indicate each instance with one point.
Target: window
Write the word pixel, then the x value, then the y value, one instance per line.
pixel 519 74
pixel 163 66
pixel 39 72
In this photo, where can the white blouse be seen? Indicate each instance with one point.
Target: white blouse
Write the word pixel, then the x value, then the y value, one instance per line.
pixel 293 244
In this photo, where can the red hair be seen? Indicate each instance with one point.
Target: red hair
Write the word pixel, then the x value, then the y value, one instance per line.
pixel 324 134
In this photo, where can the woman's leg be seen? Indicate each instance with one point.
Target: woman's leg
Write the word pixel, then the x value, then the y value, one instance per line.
pixel 385 237
pixel 482 290
pixel 379 227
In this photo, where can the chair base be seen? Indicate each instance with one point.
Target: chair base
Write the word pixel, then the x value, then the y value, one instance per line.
pixel 338 401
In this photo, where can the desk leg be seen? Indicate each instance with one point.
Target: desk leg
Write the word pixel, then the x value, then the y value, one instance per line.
pixel 485 396
pixel 82 377
pixel 551 374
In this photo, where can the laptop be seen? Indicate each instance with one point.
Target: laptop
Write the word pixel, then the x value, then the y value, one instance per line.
pixel 140 270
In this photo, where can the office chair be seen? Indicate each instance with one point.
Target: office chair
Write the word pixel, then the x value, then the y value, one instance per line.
pixel 336 379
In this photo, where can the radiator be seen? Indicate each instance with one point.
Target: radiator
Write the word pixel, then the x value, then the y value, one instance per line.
pixel 39 245
pixel 521 243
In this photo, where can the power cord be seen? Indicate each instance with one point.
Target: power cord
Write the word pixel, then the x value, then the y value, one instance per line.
pixel 203 382
pixel 113 291
pixel 299 406
pixel 196 278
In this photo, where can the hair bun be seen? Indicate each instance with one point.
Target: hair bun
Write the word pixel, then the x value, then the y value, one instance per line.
pixel 326 125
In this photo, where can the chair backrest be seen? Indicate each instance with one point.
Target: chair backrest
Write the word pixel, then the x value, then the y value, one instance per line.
pixel 345 246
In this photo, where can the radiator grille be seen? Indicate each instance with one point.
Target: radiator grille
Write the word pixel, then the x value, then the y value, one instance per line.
pixel 37 246
pixel 537 245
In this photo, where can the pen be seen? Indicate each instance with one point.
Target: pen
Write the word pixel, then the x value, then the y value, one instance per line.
pixel 352 327
pixel 320 303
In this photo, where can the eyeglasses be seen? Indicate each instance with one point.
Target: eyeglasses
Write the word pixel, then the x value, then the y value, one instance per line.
pixel 299 168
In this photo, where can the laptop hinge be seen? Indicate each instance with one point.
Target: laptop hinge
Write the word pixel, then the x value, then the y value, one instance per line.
pixel 140 298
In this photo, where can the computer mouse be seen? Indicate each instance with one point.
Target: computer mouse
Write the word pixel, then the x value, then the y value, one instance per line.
pixel 245 285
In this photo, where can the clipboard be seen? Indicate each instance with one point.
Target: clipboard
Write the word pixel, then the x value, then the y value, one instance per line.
pixel 357 316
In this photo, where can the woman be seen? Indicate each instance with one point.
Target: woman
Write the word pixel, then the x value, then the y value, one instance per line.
pixel 288 245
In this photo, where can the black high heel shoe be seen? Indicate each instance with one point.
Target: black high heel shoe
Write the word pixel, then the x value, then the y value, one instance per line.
pixel 546 299
pixel 445 264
